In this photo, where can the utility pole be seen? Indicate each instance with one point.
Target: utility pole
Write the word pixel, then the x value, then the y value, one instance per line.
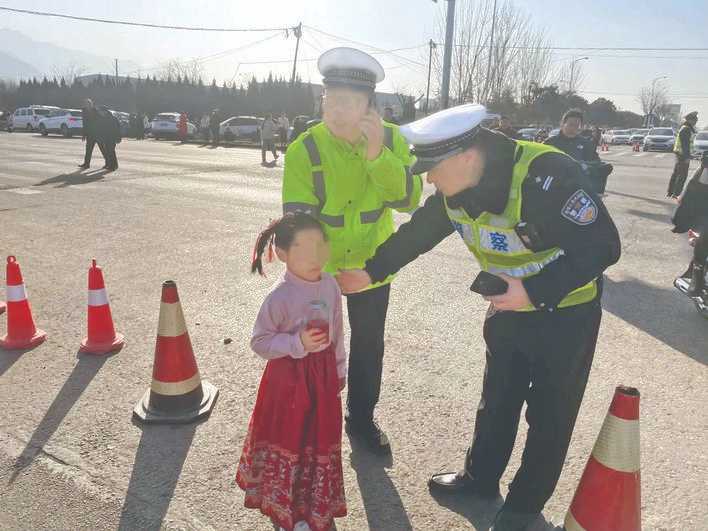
pixel 430 64
pixel 447 57
pixel 116 69
pixel 491 51
pixel 297 30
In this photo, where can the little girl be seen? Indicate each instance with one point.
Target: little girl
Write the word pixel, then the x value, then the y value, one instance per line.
pixel 291 465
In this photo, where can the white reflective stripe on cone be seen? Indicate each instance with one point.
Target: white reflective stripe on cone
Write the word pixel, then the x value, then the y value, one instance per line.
pixel 16 293
pixel 171 320
pixel 571 523
pixel 617 446
pixel 176 388
pixel 97 297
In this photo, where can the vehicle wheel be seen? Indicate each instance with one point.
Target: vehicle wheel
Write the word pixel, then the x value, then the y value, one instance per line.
pixel 43 130
pixel 644 149
pixel 29 128
pixel 9 129
pixel 65 131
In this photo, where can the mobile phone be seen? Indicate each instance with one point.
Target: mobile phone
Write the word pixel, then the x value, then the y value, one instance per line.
pixel 487 284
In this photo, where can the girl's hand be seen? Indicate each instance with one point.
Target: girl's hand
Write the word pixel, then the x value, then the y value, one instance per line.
pixel 342 384
pixel 352 280
pixel 313 339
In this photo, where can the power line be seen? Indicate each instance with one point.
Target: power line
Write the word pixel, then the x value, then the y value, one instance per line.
pixel 139 24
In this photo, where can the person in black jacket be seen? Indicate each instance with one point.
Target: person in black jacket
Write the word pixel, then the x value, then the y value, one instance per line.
pixel 108 135
pixel 89 117
pixel 504 127
pixel 524 212
pixel 692 213
pixel 570 141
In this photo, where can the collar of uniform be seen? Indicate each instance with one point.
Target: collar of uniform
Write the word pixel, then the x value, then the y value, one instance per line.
pixel 345 146
pixel 492 192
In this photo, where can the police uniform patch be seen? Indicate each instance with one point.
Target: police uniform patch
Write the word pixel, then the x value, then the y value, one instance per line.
pixel 580 208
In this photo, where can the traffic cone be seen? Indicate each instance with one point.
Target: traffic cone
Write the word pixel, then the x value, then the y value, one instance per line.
pixel 21 331
pixel 177 394
pixel 102 337
pixel 608 496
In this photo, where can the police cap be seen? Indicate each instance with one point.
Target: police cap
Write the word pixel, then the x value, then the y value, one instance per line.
pixel 444 134
pixel 350 67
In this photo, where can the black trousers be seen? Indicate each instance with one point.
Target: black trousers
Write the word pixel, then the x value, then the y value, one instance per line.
pixel 90 143
pixel 678 177
pixel 367 320
pixel 110 155
pixel 542 358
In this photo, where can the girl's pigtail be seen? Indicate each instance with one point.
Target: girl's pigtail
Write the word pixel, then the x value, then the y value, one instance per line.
pixel 265 239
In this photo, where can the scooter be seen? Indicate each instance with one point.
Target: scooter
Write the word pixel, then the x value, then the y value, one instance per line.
pixel 682 283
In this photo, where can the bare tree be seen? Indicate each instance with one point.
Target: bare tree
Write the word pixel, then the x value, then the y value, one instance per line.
pixel 652 99
pixel 190 69
pixel 70 71
pixel 519 55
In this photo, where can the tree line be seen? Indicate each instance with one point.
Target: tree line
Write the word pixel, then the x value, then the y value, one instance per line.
pixel 150 95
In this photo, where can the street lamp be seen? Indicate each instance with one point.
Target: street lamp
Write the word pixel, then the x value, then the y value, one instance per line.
pixel 572 71
pixel 652 103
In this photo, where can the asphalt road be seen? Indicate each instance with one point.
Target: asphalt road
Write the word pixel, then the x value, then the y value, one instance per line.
pixel 70 457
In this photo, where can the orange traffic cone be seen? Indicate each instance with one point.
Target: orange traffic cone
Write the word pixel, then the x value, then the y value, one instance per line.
pixel 21 331
pixel 102 337
pixel 177 394
pixel 608 497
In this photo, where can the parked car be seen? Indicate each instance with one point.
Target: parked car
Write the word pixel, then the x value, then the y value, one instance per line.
pixel 241 128
pixel 700 144
pixel 528 133
pixel 659 139
pixel 619 136
pixel 124 119
pixel 554 132
pixel 67 122
pixel 4 119
pixel 27 118
pixel 637 135
pixel 164 125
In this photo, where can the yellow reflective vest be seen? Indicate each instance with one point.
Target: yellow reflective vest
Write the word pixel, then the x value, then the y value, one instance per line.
pixel 678 145
pixel 494 242
pixel 352 197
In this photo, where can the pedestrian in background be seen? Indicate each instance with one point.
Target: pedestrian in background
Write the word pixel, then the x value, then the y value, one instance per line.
pixel 108 135
pixel 283 129
pixel 389 117
pixel 504 127
pixel 204 126
pixel 182 127
pixel 268 139
pixel 291 464
pixel 141 125
pixel 89 119
pixel 214 124
pixel 682 149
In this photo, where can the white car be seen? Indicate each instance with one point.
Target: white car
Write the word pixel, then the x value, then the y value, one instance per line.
pixel 660 139
pixel 528 133
pixel 241 128
pixel 67 122
pixel 164 125
pixel 637 135
pixel 700 144
pixel 27 118
pixel 620 136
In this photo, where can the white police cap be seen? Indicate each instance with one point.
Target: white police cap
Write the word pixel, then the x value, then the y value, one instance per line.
pixel 350 67
pixel 443 135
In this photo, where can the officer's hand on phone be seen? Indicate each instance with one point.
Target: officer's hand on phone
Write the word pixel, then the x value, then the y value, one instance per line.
pixel 373 129
pixel 352 280
pixel 515 297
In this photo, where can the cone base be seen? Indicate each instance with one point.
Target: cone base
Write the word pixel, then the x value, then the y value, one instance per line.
pixel 102 348
pixel 23 343
pixel 144 414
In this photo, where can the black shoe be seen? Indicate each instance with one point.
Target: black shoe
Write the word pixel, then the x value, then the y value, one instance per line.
pixel 461 482
pixel 698 279
pixel 370 434
pixel 508 520
pixel 84 166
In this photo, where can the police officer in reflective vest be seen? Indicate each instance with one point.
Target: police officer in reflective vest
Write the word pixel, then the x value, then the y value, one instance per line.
pixel 683 148
pixel 522 211
pixel 352 171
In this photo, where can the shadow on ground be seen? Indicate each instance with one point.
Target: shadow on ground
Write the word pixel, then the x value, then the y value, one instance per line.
pixel 75 178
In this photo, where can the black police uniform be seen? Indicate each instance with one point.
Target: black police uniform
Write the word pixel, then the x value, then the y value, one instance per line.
pixel 578 147
pixel 542 357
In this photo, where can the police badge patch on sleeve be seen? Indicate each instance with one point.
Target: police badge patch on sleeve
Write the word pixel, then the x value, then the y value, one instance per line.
pixel 580 209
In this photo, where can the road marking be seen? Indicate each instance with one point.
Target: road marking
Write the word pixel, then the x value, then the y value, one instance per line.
pixel 23 191
pixel 660 155
pixel 641 154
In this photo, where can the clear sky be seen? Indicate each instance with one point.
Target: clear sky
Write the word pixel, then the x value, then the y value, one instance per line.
pixel 387 25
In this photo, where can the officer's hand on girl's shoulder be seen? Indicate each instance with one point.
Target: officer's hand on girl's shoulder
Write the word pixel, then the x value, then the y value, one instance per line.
pixel 515 297
pixel 372 128
pixel 352 280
